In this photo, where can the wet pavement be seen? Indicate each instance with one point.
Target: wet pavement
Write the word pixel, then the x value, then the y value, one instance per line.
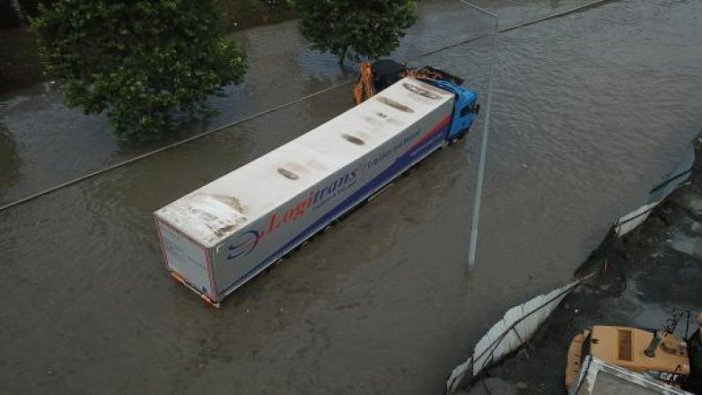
pixel 588 109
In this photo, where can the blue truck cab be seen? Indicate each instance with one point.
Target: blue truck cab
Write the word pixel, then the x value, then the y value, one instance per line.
pixel 385 72
pixel 465 108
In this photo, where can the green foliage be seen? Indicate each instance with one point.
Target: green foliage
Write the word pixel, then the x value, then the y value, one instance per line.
pixel 141 61
pixel 370 28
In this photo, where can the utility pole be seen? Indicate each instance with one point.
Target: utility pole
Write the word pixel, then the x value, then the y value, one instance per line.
pixel 473 245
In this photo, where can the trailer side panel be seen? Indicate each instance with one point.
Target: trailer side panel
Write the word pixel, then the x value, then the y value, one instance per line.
pixel 259 245
pixel 224 233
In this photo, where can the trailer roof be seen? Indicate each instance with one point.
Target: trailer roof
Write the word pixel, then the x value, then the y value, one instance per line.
pixel 227 204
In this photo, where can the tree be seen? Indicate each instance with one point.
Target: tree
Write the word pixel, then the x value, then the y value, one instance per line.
pixel 143 62
pixel 370 28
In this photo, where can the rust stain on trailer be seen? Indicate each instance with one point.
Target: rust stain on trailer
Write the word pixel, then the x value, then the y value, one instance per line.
pixel 223 231
pixel 294 170
pixel 394 104
pixel 353 139
pixel 373 121
pixel 287 174
pixel 221 228
pixel 424 90
pixel 421 91
pixel 210 215
pixel 376 121
pixel 230 201
pixel 389 119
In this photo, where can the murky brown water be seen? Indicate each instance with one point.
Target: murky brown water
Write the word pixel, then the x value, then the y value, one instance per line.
pixel 589 111
pixel 58 144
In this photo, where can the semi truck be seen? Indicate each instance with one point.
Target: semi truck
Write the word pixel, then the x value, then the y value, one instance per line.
pixel 223 234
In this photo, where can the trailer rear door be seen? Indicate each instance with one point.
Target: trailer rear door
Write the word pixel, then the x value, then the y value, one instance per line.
pixel 186 258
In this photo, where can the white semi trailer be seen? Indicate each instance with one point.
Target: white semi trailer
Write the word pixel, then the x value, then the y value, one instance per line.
pixel 222 235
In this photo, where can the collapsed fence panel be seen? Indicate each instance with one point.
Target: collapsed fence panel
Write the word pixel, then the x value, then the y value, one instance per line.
pixel 518 324
pixel 510 333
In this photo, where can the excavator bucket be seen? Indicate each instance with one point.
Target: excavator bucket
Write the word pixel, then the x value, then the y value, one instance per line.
pixel 363 89
pixel 375 77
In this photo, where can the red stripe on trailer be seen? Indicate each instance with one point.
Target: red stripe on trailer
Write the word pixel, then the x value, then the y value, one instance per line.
pixel 427 136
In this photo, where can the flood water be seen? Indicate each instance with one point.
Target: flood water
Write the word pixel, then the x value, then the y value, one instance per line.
pixel 590 110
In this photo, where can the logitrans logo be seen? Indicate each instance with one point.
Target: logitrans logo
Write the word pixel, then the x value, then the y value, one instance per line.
pixel 245 243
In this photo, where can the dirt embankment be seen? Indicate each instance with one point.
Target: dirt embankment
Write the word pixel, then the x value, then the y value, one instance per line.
pixel 641 278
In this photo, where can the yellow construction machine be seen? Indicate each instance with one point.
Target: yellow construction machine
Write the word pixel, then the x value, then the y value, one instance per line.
pixel 658 354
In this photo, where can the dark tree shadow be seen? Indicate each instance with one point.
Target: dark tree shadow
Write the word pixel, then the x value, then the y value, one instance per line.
pixel 9 161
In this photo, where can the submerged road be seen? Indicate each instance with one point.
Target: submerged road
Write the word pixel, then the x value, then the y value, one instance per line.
pixel 589 111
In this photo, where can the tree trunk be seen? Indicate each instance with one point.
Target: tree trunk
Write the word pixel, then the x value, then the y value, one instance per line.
pixel 19 12
pixel 343 56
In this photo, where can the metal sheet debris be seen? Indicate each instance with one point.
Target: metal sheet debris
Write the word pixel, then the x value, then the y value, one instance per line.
pixel 673 181
pixel 510 333
pixel 601 378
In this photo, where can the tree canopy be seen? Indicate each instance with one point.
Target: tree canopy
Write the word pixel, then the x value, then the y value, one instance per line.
pixel 141 61
pixel 369 28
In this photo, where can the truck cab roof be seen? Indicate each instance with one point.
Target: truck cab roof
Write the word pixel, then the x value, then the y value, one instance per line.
pixel 466 94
